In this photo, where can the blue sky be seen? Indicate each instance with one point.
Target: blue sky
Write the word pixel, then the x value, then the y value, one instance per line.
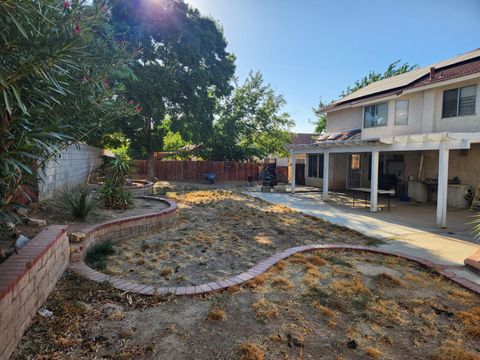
pixel 307 49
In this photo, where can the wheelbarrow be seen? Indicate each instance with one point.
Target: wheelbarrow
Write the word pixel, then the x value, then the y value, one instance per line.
pixel 210 177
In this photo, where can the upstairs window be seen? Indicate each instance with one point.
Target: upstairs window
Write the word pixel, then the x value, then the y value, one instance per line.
pixel 459 102
pixel 375 115
pixel 401 112
pixel 315 166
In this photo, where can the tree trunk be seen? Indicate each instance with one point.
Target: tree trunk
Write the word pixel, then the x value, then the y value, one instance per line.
pixel 149 148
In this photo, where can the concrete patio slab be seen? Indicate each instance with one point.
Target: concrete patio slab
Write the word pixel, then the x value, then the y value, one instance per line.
pixel 420 240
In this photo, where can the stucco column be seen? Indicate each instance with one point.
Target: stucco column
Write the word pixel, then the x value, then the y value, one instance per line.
pixel 292 162
pixel 374 182
pixel 326 175
pixel 442 189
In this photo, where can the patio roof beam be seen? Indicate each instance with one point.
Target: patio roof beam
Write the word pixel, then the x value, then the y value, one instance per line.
pixel 430 145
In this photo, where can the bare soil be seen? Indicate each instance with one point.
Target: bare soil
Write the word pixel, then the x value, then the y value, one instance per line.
pixel 318 305
pixel 219 233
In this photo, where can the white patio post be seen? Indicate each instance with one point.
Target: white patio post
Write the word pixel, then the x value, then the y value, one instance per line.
pixel 443 155
pixel 292 162
pixel 374 182
pixel 326 176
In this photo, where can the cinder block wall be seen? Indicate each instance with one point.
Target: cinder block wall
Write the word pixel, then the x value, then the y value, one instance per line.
pixel 70 169
pixel 26 280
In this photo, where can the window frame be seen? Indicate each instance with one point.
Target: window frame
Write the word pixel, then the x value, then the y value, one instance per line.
pixel 408 112
pixel 457 112
pixel 376 105
pixel 315 171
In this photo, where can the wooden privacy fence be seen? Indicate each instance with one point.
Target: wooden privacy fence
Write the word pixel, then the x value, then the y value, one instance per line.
pixel 186 170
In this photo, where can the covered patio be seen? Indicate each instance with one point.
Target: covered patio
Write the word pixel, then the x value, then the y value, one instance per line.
pixel 373 149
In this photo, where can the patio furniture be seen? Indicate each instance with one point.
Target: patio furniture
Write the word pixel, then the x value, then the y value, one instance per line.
pixel 367 191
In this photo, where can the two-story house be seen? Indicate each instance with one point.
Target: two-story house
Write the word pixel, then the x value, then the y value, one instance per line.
pixel 417 133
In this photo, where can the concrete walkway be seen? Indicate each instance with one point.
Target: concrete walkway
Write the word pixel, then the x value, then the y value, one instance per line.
pixel 439 249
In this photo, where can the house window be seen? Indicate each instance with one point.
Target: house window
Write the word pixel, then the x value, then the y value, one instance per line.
pixel 315 166
pixel 375 115
pixel 401 112
pixel 355 162
pixel 459 102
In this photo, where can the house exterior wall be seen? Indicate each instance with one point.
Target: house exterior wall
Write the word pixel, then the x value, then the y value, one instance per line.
pixel 337 173
pixel 424 114
pixel 344 120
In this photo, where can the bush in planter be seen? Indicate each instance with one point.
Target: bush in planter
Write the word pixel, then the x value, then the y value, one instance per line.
pixel 113 191
pixel 115 196
pixel 76 203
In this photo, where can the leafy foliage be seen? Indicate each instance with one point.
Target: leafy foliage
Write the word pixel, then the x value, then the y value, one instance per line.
pixel 96 256
pixel 57 70
pixel 392 70
pixel 182 69
pixel 250 123
pixel 76 202
pixel 113 191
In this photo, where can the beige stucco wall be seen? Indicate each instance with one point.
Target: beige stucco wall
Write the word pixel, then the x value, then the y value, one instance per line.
pixel 424 115
pixel 344 120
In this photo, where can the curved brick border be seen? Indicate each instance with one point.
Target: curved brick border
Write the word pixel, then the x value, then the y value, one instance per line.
pixel 123 228
pixel 473 261
pixel 126 285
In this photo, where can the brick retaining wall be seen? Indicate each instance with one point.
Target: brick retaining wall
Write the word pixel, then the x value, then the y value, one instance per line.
pixel 26 280
pixel 125 228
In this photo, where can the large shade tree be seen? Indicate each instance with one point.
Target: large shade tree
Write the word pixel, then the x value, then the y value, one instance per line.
pixel 183 68
pixel 58 65
pixel 250 124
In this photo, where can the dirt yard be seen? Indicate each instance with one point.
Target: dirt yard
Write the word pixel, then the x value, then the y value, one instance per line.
pixel 219 233
pixel 318 305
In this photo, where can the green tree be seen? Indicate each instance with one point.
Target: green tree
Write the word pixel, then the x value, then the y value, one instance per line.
pixel 320 121
pixel 182 69
pixel 250 124
pixel 59 61
pixel 392 70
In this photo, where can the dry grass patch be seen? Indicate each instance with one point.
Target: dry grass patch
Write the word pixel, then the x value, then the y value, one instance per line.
pixel 265 309
pixel 388 280
pixel 317 260
pixel 258 281
pixel 251 351
pixel 323 309
pixel 215 315
pixel 298 258
pixel 282 283
pixel 348 287
pixel 373 353
pixel 166 272
pixel 453 351
pixel 471 321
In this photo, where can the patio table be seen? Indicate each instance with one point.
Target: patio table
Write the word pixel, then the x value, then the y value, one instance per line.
pixel 367 191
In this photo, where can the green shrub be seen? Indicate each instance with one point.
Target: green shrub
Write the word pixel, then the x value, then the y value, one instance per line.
pixel 75 203
pixel 115 196
pixel 118 168
pixel 97 255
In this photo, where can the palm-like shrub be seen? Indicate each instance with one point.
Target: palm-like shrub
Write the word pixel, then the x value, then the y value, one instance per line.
pixel 59 62
pixel 115 196
pixel 114 193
